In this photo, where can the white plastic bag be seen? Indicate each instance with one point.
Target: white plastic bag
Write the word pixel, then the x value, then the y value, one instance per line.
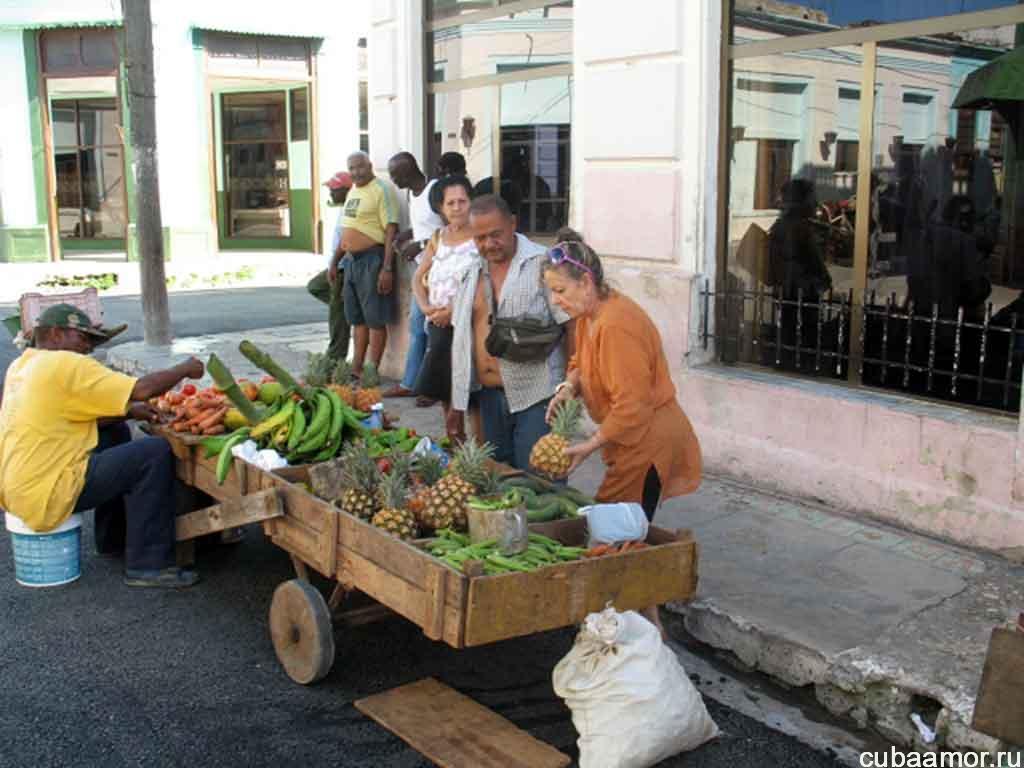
pixel 267 459
pixel 614 523
pixel 631 700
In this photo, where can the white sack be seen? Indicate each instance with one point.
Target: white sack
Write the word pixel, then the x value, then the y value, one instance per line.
pixel 631 700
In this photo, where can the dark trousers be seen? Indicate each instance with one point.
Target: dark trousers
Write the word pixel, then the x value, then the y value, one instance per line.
pixel 512 434
pixel 333 296
pixel 130 485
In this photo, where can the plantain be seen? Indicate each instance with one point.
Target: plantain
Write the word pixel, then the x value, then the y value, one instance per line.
pixel 298 428
pixel 267 426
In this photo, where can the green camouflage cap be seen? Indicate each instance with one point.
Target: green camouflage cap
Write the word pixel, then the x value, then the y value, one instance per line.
pixel 67 316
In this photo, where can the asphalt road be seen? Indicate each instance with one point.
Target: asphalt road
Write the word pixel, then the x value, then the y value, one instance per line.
pixel 195 313
pixel 96 673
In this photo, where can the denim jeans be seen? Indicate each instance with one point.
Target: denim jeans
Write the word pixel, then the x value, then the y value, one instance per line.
pixel 512 434
pixel 130 485
pixel 417 343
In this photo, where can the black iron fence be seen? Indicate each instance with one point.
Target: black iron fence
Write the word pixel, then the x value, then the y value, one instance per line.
pixel 970 356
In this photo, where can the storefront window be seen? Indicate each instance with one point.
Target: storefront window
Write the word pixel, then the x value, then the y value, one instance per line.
pixel 926 297
pixel 256 165
pixel 513 122
pixel 89 165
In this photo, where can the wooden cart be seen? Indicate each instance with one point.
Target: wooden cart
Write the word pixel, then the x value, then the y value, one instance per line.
pixel 461 609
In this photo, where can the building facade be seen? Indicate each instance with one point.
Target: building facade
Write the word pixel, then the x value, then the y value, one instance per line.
pixel 835 278
pixel 254 109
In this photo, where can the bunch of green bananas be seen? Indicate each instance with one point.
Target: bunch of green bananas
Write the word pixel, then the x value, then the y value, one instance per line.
pixel 302 430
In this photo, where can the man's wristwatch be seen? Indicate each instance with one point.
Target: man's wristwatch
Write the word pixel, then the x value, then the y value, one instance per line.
pixel 572 389
pixel 387 268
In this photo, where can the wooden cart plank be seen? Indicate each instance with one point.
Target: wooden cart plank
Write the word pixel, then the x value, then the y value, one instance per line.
pixel 297 539
pixel 231 513
pixel 404 598
pixel 399 557
pixel 513 605
pixel 454 731
pixel 999 710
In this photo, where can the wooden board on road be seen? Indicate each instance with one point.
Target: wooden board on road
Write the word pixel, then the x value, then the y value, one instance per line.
pixel 456 732
pixel 999 710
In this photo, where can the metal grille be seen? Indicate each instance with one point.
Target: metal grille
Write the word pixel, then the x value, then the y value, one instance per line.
pixel 940 354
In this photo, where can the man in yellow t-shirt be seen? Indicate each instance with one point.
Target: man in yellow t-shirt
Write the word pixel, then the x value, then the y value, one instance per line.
pixel 370 224
pixel 64 447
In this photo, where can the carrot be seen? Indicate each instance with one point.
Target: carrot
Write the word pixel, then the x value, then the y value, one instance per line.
pixel 200 417
pixel 600 549
pixel 179 426
pixel 216 429
pixel 639 545
pixel 214 418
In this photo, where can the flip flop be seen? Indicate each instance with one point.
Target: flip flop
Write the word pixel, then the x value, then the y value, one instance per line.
pixel 164 578
pixel 422 401
pixel 397 391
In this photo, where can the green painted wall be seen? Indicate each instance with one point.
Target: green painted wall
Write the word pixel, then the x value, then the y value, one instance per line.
pixel 105 245
pixel 23 244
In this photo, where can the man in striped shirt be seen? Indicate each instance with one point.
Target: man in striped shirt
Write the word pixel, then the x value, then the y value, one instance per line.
pixel 370 223
pixel 512 396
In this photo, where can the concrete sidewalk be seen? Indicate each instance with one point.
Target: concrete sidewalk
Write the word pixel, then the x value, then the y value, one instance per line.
pixel 880 623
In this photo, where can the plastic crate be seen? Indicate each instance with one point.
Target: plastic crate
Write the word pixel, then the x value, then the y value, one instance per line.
pixel 32 305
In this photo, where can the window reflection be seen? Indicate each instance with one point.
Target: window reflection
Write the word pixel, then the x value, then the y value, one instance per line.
pixel 944 266
pixel 517 41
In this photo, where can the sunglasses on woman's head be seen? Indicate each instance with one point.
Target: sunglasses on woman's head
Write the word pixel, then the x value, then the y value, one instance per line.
pixel 559 253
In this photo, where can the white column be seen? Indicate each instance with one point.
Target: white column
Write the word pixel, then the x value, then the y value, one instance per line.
pixel 644 134
pixel 396 80
pixel 17 180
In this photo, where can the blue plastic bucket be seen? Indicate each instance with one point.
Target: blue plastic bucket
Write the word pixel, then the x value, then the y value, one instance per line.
pixel 46 559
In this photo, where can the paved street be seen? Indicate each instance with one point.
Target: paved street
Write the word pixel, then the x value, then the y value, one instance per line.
pixel 96 673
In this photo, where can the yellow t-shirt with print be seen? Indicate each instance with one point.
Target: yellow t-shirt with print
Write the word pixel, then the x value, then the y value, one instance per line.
pixel 48 429
pixel 370 208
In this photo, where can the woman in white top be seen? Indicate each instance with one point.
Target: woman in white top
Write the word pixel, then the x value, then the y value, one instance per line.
pixel 445 260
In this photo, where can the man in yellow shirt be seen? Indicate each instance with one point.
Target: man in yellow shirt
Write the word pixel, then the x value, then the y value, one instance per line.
pixel 64 447
pixel 370 222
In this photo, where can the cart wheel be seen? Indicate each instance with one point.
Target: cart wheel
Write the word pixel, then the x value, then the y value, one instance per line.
pixel 300 627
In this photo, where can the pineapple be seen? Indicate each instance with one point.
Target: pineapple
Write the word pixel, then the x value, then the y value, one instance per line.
pixel 446 504
pixel 360 478
pixel 318 369
pixel 548 454
pixel 429 470
pixel 368 394
pixel 341 382
pixel 392 493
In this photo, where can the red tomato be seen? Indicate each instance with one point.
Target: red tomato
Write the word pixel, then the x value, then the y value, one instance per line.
pixel 267 380
pixel 384 465
pixel 188 390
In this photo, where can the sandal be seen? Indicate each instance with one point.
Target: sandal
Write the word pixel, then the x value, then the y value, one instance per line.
pixel 166 578
pixel 422 401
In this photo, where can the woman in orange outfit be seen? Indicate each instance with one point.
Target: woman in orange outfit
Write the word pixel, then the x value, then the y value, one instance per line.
pixel 620 370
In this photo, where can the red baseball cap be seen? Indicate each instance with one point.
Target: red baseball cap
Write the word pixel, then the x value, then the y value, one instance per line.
pixel 340 180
